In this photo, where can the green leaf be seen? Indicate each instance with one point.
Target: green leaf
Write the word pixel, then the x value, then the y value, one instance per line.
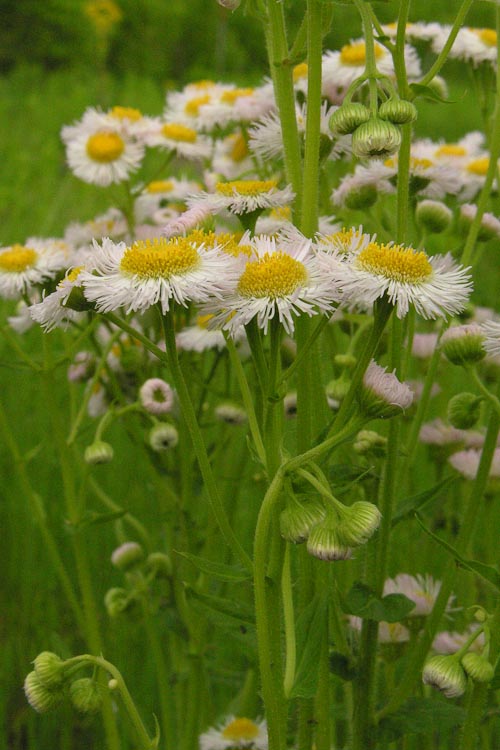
pixel 229 573
pixel 343 666
pixel 363 602
pixel 420 716
pixel 230 609
pixel 93 518
pixel 408 506
pixel 427 92
pixel 487 572
pixel 310 629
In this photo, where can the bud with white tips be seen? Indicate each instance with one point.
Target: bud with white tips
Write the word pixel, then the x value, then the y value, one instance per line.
pixel 326 541
pixel 433 216
pixel 127 555
pixel 348 117
pixel 39 696
pixel 376 138
pixel 398 111
pixel 445 673
pixel 85 696
pixel 382 395
pixel 99 452
pixel 478 667
pixel 360 521
pixel 463 345
pixel 299 517
pixel 49 668
pixel 163 437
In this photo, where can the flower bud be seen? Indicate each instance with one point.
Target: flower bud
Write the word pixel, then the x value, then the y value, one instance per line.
pixel 112 684
pixel 433 216
pixel 290 405
pixel 39 696
pixel 348 117
pixel 382 395
pixel 347 361
pixel 49 668
pixel 363 196
pixel 464 410
pixel 116 601
pixel 325 540
pixel 489 228
pixel 230 413
pixel 338 388
pixel 127 556
pixel 439 86
pixel 446 674
pixel 398 111
pixel 163 437
pixel 85 696
pixel 369 441
pixel 478 667
pixel 76 301
pixel 463 345
pixel 376 138
pixel 156 396
pixel 360 522
pixel 159 564
pixel 299 517
pixel 99 452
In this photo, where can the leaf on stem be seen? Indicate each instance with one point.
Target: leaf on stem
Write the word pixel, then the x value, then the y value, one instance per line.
pixel 363 602
pixel 228 573
pixel 407 507
pixel 420 716
pixel 310 628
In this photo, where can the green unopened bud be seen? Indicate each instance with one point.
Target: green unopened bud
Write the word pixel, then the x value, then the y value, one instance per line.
pixel 159 565
pixel 360 522
pixel 163 437
pixel 370 442
pixel 478 667
pixel 433 216
pixel 398 111
pixel 464 410
pixel 363 196
pixel 445 673
pixel 347 361
pixel 376 138
pixel 85 696
pixel 338 388
pixel 439 86
pixel 116 601
pixel 326 541
pixel 463 345
pixel 382 395
pixel 127 555
pixel 50 669
pixel 113 684
pixel 348 117
pixel 77 301
pixel 39 696
pixel 230 413
pixel 99 452
pixel 299 517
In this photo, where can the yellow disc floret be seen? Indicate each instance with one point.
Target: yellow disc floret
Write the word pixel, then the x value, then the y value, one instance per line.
pixel 300 71
pixel 192 107
pixel 479 166
pixel 239 150
pixel 202 321
pixel 105 147
pixel 451 149
pixel 17 259
pixel 395 262
pixel 229 97
pixel 245 187
pixel 126 113
pixel 487 36
pixel 177 132
pixel 160 186
pixel 71 276
pixel 240 730
pixel 274 275
pixel 355 54
pixel 159 258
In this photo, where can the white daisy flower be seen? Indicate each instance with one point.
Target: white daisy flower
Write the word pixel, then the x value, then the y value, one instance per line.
pixel 223 108
pixel 231 158
pixel 382 394
pixel 188 106
pixel 489 227
pixel 23 266
pixel 449 642
pixel 110 224
pixel 418 31
pixel 179 138
pixel 471 146
pixel 467 463
pixel 243 196
pixel 156 396
pixel 439 433
pixel 22 321
pixel 159 193
pixel 473 175
pixel 491 330
pixel 280 278
pixel 344 241
pixel 388 632
pixel 235 734
pixel 154 271
pixel 421 589
pixel 434 286
pixel 471 45
pixel 429 178
pixel 374 177
pixel 199 338
pixel 51 311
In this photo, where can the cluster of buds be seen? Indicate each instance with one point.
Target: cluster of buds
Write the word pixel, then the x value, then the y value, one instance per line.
pixel 51 682
pixel 373 135
pixel 140 573
pixel 332 530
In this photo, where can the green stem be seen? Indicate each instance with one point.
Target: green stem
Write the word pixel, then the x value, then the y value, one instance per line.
pixel 443 55
pixel 128 517
pixel 488 395
pixel 350 429
pixel 137 335
pixel 289 621
pixel 305 349
pixel 199 445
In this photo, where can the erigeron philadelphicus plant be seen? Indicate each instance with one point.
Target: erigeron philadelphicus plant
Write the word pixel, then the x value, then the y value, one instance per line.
pixel 219 300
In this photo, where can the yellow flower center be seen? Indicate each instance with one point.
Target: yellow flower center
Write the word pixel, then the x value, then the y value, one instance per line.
pixel 229 97
pixel 282 212
pixel 71 275
pixel 451 149
pixel 202 321
pixel 343 239
pixel 105 147
pixel 192 107
pixel 487 36
pixel 126 113
pixel 240 729
pixel 245 187
pixel 300 71
pixel 205 83
pixel 160 186
pixel 273 275
pixel 395 262
pixel 415 163
pixel 355 54
pixel 479 166
pixel 177 132
pixel 239 150
pixel 17 259
pixel 159 258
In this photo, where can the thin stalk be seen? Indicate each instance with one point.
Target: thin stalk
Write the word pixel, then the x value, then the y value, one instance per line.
pixel 443 55
pixel 305 349
pixel 289 621
pixel 137 335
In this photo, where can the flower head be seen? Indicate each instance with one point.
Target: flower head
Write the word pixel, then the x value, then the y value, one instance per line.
pixel 156 396
pixel 24 266
pixel 235 733
pixel 243 196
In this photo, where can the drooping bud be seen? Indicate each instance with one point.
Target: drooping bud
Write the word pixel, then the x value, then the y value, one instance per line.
pixel 49 668
pixel 39 696
pixel 360 522
pixel 116 601
pixel 445 673
pixel 99 452
pixel 230 413
pixel 398 111
pixel 156 396
pixel 478 667
pixel 376 138
pixel 382 395
pixel 127 556
pixel 363 196
pixel 464 410
pixel 433 216
pixel 338 388
pixel 369 441
pixel 348 117
pixel 85 696
pixel 163 437
pixel 325 540
pixel 299 517
pixel 463 345
pixel 159 564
